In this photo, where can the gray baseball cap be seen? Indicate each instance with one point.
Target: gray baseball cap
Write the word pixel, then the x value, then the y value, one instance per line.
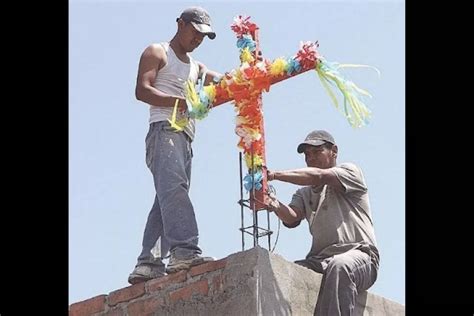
pixel 316 138
pixel 200 19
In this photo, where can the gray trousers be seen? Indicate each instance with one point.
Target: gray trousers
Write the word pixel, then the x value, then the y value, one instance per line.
pixel 171 224
pixel 344 276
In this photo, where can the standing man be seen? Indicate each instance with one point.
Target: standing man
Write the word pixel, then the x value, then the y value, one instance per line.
pixel 163 70
pixel 335 202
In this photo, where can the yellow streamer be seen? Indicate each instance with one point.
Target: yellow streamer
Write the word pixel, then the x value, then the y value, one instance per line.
pixel 210 90
pixel 191 94
pixel 360 113
pixel 179 125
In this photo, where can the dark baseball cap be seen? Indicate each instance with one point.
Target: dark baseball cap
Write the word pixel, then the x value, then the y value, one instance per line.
pixel 200 19
pixel 316 138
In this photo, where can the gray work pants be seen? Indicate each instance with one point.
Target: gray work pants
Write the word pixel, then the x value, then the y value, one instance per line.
pixel 171 224
pixel 344 276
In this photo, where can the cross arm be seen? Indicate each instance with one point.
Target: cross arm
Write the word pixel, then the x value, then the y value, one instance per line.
pixel 224 96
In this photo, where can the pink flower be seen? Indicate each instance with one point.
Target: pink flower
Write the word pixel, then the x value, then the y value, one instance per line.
pixel 242 26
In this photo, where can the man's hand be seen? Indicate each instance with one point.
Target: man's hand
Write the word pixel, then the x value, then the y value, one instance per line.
pixel 182 106
pixel 270 174
pixel 273 202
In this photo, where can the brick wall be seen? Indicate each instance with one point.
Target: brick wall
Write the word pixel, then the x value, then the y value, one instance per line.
pixel 145 298
pixel 251 282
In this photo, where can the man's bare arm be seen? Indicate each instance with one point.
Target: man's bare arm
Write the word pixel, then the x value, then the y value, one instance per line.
pixel 210 74
pixel 307 176
pixel 151 61
pixel 288 215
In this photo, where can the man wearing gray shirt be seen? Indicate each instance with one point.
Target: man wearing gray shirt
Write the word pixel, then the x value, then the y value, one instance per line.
pixel 335 202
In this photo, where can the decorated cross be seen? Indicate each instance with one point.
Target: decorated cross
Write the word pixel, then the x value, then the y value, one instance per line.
pixel 245 85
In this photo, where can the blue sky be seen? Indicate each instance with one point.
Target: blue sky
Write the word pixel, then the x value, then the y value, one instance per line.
pixel 110 189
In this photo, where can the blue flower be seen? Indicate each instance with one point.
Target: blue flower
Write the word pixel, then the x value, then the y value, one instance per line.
pixel 293 66
pixel 257 179
pixel 246 41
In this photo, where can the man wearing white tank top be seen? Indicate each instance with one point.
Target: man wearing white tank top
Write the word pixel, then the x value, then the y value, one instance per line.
pixel 171 225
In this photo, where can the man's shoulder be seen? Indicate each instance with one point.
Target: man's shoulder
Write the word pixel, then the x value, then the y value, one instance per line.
pixel 156 51
pixel 350 171
pixel 350 166
pixel 161 46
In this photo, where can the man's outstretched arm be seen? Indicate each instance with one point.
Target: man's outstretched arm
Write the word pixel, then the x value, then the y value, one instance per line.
pixel 210 74
pixel 307 176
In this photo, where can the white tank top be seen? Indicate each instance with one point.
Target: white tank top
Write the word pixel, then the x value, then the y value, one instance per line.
pixel 171 79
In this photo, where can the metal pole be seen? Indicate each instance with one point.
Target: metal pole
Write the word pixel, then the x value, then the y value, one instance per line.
pixel 255 217
pixel 268 232
pixel 241 203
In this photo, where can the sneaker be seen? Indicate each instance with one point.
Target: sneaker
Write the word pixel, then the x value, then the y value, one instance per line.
pixel 145 272
pixel 176 265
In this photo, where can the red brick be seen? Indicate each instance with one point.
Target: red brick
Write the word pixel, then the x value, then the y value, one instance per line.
pixel 206 267
pixel 200 287
pixel 126 294
pixel 88 307
pixel 161 283
pixel 217 283
pixel 145 307
pixel 114 312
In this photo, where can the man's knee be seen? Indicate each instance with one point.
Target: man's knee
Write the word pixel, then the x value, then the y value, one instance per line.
pixel 342 261
pixel 311 264
pixel 341 265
